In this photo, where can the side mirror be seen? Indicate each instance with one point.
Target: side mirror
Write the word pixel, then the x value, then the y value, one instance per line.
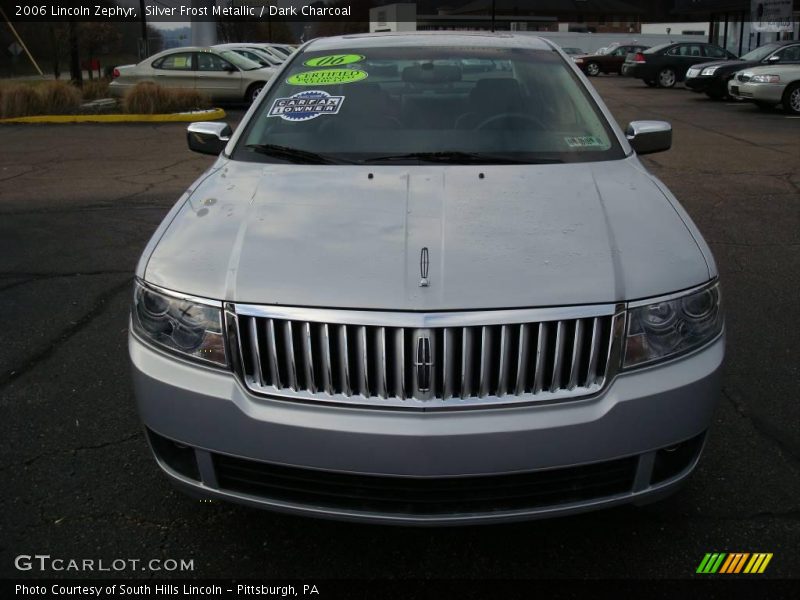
pixel 774 58
pixel 208 138
pixel 230 68
pixel 647 137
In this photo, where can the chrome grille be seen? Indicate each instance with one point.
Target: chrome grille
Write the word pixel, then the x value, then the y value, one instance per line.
pixel 425 360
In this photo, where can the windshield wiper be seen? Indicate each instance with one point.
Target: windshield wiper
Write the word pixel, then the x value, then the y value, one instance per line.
pixel 296 155
pixel 461 158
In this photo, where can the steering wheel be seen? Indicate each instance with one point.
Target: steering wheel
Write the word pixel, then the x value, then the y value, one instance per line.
pixel 486 123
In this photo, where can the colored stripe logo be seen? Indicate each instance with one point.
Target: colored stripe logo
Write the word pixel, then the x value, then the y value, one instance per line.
pixel 734 563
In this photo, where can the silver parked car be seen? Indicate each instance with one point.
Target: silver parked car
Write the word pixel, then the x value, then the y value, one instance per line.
pixel 254 53
pixel 423 296
pixel 769 86
pixel 220 74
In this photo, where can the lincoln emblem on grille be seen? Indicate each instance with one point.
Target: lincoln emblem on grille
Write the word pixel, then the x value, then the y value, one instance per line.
pixel 424 262
pixel 423 363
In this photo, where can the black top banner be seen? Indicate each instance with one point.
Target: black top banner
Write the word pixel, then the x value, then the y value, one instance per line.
pixel 166 11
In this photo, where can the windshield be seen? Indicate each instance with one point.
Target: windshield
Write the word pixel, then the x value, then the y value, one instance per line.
pixel 266 56
pixel 760 53
pixel 245 64
pixel 438 104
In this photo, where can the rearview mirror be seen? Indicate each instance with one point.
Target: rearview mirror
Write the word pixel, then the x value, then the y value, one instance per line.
pixel 647 137
pixel 208 138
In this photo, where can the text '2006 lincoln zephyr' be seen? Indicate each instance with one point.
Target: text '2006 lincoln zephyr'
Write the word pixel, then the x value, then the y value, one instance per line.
pixel 414 291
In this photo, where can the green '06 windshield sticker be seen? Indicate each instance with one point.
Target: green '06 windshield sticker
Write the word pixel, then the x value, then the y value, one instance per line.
pixel 327 77
pixel 333 60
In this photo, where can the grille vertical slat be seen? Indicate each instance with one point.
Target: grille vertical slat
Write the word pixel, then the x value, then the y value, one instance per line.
pixel 255 352
pixel 383 371
pixel 309 360
pixel 466 362
pixel 558 360
pixel 594 351
pixel 288 345
pixel 344 353
pixel 617 324
pixel 326 359
pixel 400 353
pixel 523 358
pixel 363 360
pixel 541 349
pixel 449 373
pixel 274 370
pixel 476 363
pixel 485 353
pixel 575 360
pixel 504 366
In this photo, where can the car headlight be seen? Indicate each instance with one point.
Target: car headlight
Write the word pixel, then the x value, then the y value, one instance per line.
pixel 766 79
pixel 186 326
pixel 709 71
pixel 666 329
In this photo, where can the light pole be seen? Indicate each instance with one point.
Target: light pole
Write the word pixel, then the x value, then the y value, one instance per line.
pixel 144 49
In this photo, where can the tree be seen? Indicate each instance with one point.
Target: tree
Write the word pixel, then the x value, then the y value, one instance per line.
pixel 98 37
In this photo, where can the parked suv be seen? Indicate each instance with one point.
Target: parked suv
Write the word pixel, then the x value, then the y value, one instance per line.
pixel 418 295
pixel 667 64
pixel 712 78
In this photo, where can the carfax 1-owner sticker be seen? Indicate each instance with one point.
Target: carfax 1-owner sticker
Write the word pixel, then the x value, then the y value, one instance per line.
pixel 305 106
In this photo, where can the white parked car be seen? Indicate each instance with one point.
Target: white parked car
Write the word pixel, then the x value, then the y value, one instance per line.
pixel 254 52
pixel 768 86
pixel 220 74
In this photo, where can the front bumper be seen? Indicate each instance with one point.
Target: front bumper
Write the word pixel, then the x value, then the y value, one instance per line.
pixel 756 92
pixel 705 83
pixel 556 459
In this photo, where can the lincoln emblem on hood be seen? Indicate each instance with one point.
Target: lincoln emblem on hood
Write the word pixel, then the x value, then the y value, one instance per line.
pixel 424 262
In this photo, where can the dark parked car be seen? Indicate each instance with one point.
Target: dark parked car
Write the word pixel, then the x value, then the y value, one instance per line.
pixel 611 62
pixel 667 64
pixel 712 77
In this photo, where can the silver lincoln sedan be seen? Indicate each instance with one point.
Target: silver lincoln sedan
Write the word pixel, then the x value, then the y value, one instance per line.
pixel 406 292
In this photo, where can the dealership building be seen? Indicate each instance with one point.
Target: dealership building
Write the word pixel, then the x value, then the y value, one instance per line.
pixel 738 25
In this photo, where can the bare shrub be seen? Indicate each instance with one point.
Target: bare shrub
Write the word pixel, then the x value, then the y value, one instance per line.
pixel 148 98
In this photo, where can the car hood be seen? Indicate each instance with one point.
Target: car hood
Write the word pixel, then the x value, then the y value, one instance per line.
pixel 352 236
pixel 725 65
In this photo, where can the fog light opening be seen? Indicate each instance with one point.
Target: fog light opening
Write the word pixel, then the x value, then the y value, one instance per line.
pixel 674 460
pixel 178 457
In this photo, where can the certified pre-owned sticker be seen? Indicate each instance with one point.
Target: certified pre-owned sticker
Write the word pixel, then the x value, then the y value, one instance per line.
pixel 333 60
pixel 304 106
pixel 584 141
pixel 327 77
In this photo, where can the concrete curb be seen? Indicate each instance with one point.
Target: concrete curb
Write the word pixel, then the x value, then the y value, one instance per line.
pixel 188 117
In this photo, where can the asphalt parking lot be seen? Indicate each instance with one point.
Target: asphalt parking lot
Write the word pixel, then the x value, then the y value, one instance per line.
pixel 77 206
